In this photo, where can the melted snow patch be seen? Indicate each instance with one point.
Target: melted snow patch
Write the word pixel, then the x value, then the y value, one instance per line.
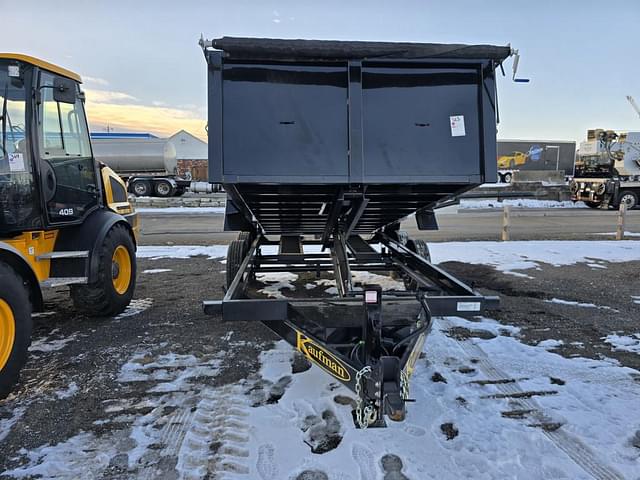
pixel 6 424
pixel 624 343
pixel 135 307
pixel 550 344
pixel 579 304
pixel 181 251
pixel 50 344
pixel 524 255
pixel 157 270
pixel 68 392
pixel 519 203
pixel 275 282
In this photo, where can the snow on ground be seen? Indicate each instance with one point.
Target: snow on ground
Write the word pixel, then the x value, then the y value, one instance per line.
pixel 171 420
pixel 181 210
pixel 50 343
pixel 157 270
pixel 579 304
pixel 523 255
pixel 497 409
pixel 559 432
pixel 181 251
pixel 275 282
pixel 626 343
pixel 519 203
pixel 6 424
pixel 626 234
pixel 508 257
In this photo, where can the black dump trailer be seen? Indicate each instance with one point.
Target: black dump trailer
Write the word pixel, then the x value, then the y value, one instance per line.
pixel 323 147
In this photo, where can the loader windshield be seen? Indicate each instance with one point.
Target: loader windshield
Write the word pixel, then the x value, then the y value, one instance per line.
pixel 18 201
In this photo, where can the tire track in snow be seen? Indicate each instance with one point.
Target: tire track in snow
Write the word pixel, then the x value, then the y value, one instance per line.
pixel 571 445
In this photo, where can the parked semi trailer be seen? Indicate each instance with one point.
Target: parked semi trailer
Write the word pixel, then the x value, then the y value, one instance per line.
pixel 148 165
pixel 539 155
pixel 607 170
pixel 323 147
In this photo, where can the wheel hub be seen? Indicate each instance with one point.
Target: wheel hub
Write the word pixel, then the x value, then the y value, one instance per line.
pixel 121 269
pixel 7 332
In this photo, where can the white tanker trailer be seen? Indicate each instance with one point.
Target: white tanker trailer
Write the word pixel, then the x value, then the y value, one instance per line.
pixel 148 165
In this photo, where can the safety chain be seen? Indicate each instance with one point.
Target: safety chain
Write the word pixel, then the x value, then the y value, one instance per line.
pixel 404 384
pixel 367 415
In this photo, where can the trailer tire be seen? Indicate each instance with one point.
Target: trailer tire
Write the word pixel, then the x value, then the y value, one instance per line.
pixel 507 177
pixel 628 197
pixel 164 189
pixel 235 255
pixel 111 293
pixel 592 204
pixel 141 188
pixel 15 327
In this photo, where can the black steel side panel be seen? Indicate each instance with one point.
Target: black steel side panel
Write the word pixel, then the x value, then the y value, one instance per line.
pixel 285 120
pixel 407 128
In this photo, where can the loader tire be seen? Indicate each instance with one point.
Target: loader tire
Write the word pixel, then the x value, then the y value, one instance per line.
pixel 15 327
pixel 235 255
pixel 111 293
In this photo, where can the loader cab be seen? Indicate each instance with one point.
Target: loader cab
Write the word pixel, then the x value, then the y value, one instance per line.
pixel 48 176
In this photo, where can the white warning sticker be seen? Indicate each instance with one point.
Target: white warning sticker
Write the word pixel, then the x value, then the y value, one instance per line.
pixel 16 162
pixel 468 306
pixel 457 125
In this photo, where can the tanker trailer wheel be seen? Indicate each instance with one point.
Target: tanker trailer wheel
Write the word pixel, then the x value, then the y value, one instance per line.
pixel 164 188
pixel 111 293
pixel 629 198
pixel 15 327
pixel 420 248
pixel 235 254
pixel 141 188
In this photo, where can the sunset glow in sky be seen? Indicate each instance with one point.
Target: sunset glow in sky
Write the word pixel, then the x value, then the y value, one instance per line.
pixel 144 71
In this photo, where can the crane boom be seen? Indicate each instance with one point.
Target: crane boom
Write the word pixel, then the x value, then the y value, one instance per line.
pixel 633 104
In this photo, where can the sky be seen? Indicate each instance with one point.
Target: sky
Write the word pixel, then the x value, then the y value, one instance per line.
pixel 144 71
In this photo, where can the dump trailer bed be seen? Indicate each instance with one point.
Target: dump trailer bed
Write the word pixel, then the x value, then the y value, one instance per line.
pixel 294 125
pixel 323 147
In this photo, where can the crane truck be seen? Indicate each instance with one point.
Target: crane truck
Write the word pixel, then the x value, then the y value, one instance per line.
pixel 607 171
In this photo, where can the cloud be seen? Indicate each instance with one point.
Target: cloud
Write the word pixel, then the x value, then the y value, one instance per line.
pixel 108 96
pixel 121 111
pixel 95 80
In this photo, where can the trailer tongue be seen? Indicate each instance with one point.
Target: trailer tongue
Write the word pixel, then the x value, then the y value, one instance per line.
pixel 323 147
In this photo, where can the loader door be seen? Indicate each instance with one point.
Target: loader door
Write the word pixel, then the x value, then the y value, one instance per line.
pixel 67 168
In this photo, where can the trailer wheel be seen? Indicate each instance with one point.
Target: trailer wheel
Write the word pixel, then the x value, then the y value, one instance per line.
pixel 507 177
pixel 592 204
pixel 15 327
pixel 628 197
pixel 163 188
pixel 141 188
pixel 235 254
pixel 113 290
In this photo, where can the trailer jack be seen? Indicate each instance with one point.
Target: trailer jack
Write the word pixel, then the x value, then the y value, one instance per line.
pixel 366 337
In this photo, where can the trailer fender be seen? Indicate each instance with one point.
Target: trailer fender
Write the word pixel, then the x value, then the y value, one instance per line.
pixel 16 260
pixel 90 236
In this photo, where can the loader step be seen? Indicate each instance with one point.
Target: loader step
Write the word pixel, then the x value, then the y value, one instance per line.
pixel 64 254
pixel 62 281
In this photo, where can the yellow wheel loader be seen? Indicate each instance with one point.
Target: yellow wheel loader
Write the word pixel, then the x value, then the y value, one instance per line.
pixel 64 218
